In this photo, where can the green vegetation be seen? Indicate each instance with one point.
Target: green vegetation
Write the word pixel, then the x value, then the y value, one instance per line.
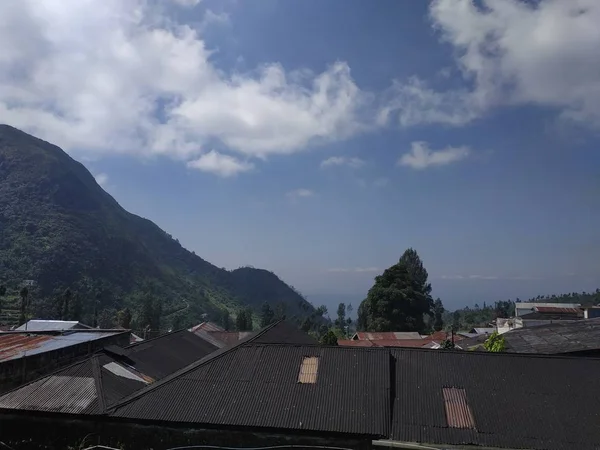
pixel 495 343
pixel 60 229
pixel 400 298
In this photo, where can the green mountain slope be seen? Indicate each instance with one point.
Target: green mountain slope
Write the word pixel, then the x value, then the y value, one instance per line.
pixel 61 229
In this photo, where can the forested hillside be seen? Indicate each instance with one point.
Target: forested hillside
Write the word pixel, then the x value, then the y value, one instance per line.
pixel 59 228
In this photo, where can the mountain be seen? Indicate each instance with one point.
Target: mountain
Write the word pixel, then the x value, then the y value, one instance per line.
pixel 59 228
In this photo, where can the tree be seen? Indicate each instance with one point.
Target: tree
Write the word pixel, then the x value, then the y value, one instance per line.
pixel 267 316
pixel 307 325
pixel 124 318
pixel 67 296
pixel 416 270
pixel 280 311
pixel 243 320
pixel 329 338
pixel 106 319
pixel 341 316
pixel 2 294
pixel 76 308
pixel 226 320
pixel 438 311
pixel 24 303
pixel 399 299
pixel 495 343
pixel 321 311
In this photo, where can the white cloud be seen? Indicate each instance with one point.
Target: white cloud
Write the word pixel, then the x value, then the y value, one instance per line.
pixel 353 162
pixel 219 164
pixel 353 270
pixel 186 3
pixel 510 52
pixel 123 76
pixel 422 157
pixel 102 179
pixel 300 193
pixel 213 18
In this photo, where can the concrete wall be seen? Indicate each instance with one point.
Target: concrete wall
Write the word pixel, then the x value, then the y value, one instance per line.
pixel 64 431
pixel 15 372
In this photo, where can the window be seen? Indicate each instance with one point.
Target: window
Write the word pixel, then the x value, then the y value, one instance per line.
pixel 308 370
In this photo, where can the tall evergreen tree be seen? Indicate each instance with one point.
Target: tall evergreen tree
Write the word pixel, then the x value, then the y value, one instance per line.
pixel 226 320
pixel 124 318
pixel 2 294
pixel 67 296
pixel 399 299
pixel 341 316
pixel 438 311
pixel 24 303
pixel 267 316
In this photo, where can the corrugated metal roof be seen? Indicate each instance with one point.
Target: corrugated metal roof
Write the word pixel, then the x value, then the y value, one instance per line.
pixel 555 338
pixel 387 335
pixel 257 386
pixel 458 413
pixel 51 325
pixel 15 345
pixel 79 388
pixel 207 326
pixel 283 332
pixel 407 343
pixel 554 309
pixel 168 353
pixel 510 407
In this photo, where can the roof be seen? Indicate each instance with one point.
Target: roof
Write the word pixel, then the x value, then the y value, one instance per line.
pixel 165 354
pixel 503 396
pixel 283 332
pixel 15 345
pixel 207 326
pixel 555 338
pixel 413 343
pixel 255 385
pixel 51 325
pixel 484 330
pixel 88 387
pixel 557 310
pixel 387 335
pixel 230 337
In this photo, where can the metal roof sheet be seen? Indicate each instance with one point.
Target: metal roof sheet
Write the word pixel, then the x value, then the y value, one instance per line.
pixel 510 407
pixel 51 325
pixel 207 326
pixel 15 345
pixel 257 386
pixel 387 335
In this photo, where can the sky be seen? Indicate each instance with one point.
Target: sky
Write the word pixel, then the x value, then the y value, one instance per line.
pixel 320 139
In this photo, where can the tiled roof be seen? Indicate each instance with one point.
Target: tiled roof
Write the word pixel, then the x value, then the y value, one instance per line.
pixel 555 338
pixel 510 407
pixel 557 310
pixel 168 353
pixel 88 387
pixel 15 345
pixel 230 337
pixel 253 385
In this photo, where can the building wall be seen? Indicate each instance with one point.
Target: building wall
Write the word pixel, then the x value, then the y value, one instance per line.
pixel 15 372
pixel 64 431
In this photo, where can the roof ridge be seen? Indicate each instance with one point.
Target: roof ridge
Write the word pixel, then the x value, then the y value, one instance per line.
pixel 168 333
pixel 208 358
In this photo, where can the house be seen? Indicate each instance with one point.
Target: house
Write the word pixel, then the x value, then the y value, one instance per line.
pixel 261 393
pixel 397 339
pixel 545 314
pixel 25 356
pixel 525 308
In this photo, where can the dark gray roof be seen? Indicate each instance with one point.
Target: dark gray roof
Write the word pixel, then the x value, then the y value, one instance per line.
pixel 168 353
pixel 253 385
pixel 88 387
pixel 516 401
pixel 555 338
pixel 283 332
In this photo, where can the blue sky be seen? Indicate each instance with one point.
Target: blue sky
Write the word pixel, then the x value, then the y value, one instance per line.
pixel 320 139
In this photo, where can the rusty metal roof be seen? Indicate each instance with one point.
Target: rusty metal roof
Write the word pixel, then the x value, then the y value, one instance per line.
pixel 458 413
pixel 15 345
pixel 387 335
pixel 557 310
